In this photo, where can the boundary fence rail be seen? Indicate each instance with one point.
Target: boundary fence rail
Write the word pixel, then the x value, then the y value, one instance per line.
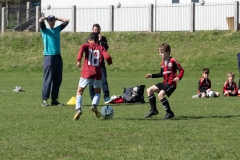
pixel 144 18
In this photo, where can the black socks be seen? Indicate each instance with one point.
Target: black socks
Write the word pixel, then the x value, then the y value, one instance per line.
pixel 166 105
pixel 164 101
pixel 152 101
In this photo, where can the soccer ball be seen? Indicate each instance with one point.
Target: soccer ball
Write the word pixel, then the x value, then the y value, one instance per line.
pixel 118 5
pixel 201 2
pixel 107 112
pixel 48 6
pixel 210 94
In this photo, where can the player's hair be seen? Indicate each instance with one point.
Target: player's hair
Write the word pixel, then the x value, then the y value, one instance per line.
pixel 205 70
pixel 231 74
pixel 93 37
pixel 96 25
pixel 165 47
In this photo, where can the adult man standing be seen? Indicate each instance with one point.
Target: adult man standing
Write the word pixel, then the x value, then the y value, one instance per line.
pixel 53 65
pixel 103 42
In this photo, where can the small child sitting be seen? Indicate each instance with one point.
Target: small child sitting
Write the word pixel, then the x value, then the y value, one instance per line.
pixel 230 87
pixel 204 85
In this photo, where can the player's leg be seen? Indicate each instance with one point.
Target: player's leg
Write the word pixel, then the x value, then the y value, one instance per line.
pixel 81 86
pixel 57 79
pixel 166 90
pixel 91 91
pixel 96 98
pixel 203 95
pixel 47 80
pixel 216 94
pixel 105 88
pixel 226 93
pixel 152 101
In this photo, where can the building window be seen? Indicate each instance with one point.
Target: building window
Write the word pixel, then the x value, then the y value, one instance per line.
pixel 175 1
pixel 196 1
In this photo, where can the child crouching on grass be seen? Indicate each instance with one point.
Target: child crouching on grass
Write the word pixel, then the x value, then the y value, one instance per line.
pixel 230 87
pixel 204 85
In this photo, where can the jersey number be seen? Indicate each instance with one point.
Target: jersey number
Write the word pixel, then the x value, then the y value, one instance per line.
pixel 93 57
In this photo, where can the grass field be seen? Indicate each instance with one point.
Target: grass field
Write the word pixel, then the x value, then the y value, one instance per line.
pixel 202 129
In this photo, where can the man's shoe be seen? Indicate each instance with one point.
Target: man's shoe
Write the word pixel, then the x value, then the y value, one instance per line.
pixel 108 100
pixel 169 115
pixel 56 103
pixel 96 112
pixel 151 113
pixel 196 96
pixel 45 103
pixel 77 115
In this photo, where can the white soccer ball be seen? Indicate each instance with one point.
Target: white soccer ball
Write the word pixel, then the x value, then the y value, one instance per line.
pixel 210 94
pixel 201 2
pixel 48 6
pixel 118 4
pixel 107 112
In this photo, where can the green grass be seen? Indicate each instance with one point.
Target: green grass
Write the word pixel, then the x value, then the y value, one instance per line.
pixel 203 129
pixel 22 51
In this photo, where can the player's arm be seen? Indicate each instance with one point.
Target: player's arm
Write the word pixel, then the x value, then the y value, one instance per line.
pixel 210 84
pixel 41 19
pixel 65 22
pixel 156 75
pixel 235 88
pixel 104 43
pixel 225 87
pixel 41 23
pixel 180 69
pixel 80 55
pixel 106 56
pixel 200 86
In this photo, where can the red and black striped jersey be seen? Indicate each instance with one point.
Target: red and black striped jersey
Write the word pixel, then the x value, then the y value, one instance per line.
pixel 232 87
pixel 168 71
pixel 204 84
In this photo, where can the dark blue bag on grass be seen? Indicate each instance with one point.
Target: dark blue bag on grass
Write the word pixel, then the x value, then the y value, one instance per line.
pixel 134 94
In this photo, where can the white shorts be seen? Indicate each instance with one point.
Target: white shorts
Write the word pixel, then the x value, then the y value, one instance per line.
pixel 83 82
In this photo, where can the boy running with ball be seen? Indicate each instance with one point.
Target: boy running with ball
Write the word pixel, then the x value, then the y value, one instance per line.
pixel 91 72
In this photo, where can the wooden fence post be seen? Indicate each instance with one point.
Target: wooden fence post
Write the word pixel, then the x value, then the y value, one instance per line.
pixel 236 15
pixel 73 19
pixel 192 17
pixel 111 20
pixel 38 15
pixel 0 19
pixel 3 19
pixel 150 23
pixel 28 11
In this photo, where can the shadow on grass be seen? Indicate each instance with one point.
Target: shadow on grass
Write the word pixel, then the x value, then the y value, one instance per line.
pixel 119 104
pixel 201 117
pixel 180 118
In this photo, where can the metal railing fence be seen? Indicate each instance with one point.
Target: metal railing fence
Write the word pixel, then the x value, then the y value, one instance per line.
pixel 149 17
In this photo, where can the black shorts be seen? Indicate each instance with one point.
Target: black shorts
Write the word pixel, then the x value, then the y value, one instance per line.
pixel 169 89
